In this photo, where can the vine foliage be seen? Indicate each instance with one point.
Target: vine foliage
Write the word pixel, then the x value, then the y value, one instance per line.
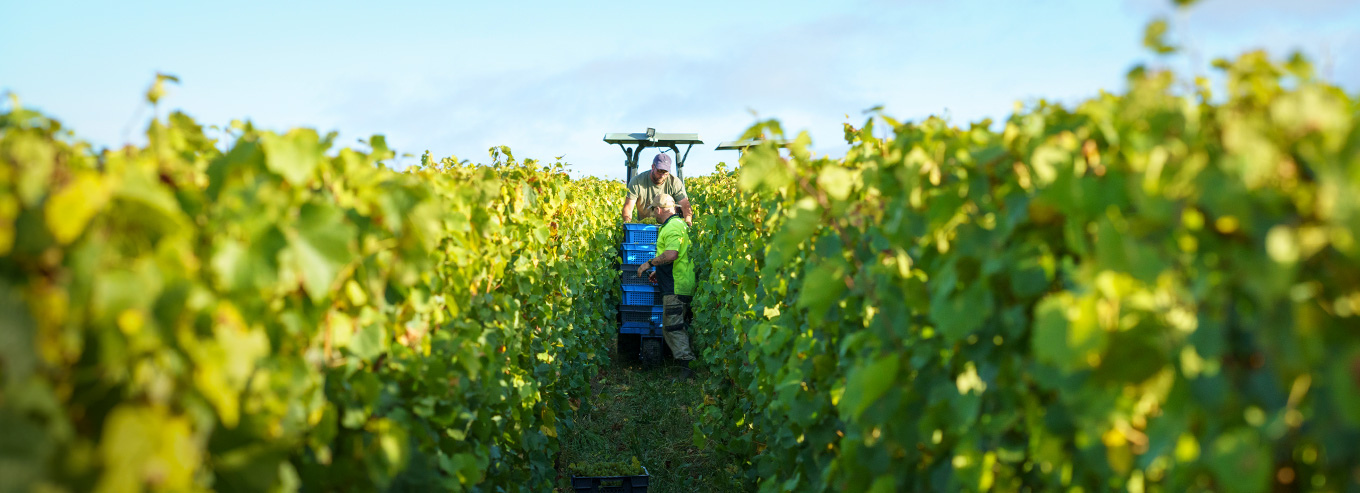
pixel 1149 290
pixel 266 312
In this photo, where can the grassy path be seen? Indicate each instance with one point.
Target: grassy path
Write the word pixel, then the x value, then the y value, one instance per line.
pixel 641 412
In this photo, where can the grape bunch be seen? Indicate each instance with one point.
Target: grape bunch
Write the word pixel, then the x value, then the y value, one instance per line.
pixel 616 468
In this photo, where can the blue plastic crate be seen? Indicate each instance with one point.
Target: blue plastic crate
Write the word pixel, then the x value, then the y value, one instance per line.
pixel 640 233
pixel 637 257
pixel 637 253
pixel 650 314
pixel 643 295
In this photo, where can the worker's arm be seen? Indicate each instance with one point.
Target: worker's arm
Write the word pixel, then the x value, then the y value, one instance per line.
pixel 666 257
pixel 628 208
pixel 686 212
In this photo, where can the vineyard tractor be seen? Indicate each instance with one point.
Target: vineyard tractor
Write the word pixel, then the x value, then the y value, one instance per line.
pixel 639 316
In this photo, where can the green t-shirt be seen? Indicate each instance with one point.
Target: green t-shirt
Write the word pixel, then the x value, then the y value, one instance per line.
pixel 676 277
pixel 643 190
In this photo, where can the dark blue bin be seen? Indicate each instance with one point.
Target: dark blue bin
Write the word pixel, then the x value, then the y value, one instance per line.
pixel 641 328
pixel 611 484
pixel 628 274
pixel 650 314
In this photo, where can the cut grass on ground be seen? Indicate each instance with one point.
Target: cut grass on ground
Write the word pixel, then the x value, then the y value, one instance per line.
pixel 640 412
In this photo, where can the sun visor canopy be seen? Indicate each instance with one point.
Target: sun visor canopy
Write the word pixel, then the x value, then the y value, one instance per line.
pixel 633 144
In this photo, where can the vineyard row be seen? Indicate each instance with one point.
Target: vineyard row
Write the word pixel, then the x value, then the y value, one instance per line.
pixel 1154 290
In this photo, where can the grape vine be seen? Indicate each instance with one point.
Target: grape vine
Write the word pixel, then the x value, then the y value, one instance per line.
pixel 264 311
pixel 1155 290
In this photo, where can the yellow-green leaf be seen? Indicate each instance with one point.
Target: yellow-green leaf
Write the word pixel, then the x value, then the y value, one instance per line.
pixel 69 211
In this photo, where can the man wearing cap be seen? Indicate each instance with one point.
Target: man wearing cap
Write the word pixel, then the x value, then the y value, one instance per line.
pixel 647 185
pixel 674 275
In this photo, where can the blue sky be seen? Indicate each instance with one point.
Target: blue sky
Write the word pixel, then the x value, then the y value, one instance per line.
pixel 551 78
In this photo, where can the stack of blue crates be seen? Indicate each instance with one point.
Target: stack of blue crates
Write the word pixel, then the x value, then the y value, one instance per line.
pixel 641 307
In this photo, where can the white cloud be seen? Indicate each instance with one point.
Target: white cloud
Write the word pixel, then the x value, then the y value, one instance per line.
pixel 797 74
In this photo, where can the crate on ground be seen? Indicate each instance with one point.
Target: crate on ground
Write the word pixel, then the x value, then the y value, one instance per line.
pixel 611 484
pixel 633 313
pixel 638 294
pixel 628 274
pixel 637 253
pixel 640 233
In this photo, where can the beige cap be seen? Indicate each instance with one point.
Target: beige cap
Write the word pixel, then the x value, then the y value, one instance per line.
pixel 664 201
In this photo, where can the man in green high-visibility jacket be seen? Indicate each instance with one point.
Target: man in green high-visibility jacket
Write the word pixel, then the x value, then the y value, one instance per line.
pixel 675 276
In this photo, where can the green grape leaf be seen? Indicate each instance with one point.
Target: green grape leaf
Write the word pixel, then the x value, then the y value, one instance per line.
pixel 884 484
pixel 1240 462
pixel 369 342
pixel 33 159
pixel 380 150
pixel 157 89
pixel 822 286
pixel 959 315
pixel 1343 381
pixel 18 353
pixel 321 247
pixel 866 383
pixel 836 181
pixel 144 442
pixel 141 189
pixel 1154 38
pixel 70 210
pixel 1066 334
pixel 294 155
pixel 802 222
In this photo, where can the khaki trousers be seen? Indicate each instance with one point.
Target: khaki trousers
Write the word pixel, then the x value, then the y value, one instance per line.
pixel 675 317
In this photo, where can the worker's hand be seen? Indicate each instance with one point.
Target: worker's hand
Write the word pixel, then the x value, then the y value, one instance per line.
pixel 642 269
pixel 651 276
pixel 689 221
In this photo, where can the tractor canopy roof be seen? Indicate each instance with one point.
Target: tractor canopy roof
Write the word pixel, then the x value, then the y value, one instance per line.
pixel 741 145
pixel 655 140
